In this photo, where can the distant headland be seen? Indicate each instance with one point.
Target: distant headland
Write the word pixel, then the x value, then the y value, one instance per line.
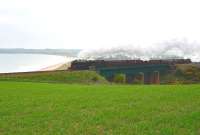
pixel 61 52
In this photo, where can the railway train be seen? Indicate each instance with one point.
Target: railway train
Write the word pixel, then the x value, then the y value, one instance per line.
pixel 93 64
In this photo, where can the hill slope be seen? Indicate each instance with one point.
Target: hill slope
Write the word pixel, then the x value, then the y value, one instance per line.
pixel 184 74
pixel 85 77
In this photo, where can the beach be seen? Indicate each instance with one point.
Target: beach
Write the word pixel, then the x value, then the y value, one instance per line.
pixel 59 66
pixel 12 63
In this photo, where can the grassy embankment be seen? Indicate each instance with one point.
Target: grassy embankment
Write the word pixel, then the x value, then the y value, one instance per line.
pixel 50 109
pixel 78 77
pixel 184 74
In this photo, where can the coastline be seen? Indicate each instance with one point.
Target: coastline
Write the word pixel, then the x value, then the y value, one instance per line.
pixel 59 66
pixel 16 63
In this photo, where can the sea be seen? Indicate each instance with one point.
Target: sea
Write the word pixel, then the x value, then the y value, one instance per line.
pixel 29 62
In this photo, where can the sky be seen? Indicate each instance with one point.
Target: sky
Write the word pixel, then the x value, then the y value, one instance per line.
pixel 88 24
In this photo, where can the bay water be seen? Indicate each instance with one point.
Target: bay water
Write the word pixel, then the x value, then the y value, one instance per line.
pixel 28 62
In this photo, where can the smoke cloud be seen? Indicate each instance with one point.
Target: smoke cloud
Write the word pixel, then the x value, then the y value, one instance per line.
pixel 164 50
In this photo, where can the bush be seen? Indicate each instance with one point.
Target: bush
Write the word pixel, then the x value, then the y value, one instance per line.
pixel 95 78
pixel 119 78
pixel 179 72
pixel 139 79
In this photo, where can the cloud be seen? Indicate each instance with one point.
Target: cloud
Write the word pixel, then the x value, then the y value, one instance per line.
pixel 94 24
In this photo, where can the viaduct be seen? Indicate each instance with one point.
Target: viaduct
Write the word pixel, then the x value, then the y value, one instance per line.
pixel 147 72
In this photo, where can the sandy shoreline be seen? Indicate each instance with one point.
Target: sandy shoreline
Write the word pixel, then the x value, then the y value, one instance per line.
pixel 59 66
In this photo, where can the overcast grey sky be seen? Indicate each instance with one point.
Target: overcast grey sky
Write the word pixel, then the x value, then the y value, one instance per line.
pixel 96 23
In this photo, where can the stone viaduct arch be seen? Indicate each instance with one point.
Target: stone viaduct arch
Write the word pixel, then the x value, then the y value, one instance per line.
pixel 149 74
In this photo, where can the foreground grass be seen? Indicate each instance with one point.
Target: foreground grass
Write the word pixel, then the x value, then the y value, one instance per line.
pixel 55 109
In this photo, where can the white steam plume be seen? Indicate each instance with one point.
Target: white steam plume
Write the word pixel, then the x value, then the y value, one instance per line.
pixel 165 50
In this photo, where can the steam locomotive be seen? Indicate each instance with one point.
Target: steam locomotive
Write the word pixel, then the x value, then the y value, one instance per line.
pixel 93 64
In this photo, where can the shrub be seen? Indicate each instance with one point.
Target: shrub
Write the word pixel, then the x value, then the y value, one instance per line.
pixel 119 78
pixel 179 72
pixel 95 78
pixel 139 79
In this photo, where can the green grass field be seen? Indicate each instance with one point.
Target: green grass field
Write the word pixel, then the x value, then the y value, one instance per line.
pixel 64 109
